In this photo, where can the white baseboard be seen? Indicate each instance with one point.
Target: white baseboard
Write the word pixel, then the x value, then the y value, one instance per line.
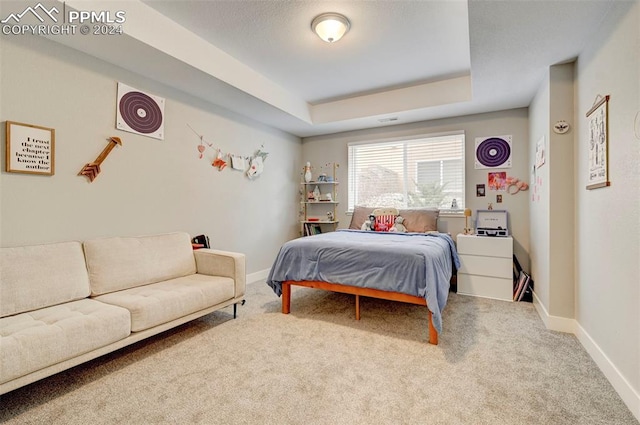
pixel 259 276
pixel 626 392
pixel 555 323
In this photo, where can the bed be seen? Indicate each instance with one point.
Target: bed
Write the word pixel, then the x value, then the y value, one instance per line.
pixel 413 267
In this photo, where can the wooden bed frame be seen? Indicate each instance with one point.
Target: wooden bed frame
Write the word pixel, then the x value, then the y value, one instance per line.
pixel 357 291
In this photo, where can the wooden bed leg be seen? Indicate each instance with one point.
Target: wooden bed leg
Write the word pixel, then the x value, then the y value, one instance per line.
pixel 286 298
pixel 433 334
pixel 357 307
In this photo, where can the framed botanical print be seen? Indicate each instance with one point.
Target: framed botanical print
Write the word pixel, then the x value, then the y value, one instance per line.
pixel 598 172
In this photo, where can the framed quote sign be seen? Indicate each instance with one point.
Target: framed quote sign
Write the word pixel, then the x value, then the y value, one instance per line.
pixel 30 149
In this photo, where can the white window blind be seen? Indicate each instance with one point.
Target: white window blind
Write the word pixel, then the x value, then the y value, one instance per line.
pixel 422 172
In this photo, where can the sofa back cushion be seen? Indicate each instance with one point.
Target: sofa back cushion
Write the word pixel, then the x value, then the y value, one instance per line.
pixel 122 263
pixel 33 277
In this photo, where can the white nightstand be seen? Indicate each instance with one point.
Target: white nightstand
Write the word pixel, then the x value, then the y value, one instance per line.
pixel 486 266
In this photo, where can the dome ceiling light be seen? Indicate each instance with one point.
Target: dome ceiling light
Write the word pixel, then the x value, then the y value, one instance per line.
pixel 330 27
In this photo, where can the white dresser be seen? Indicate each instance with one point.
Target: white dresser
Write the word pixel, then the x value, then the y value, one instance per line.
pixel 486 266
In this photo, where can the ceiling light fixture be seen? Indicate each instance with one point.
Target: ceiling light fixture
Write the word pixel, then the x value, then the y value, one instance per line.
pixel 330 27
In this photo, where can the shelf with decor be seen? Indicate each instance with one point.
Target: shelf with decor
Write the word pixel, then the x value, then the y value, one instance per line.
pixel 314 193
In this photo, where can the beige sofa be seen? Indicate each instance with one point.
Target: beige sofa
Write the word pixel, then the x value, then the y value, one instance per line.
pixel 66 303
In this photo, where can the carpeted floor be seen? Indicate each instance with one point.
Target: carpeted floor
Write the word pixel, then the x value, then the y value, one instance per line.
pixel 495 364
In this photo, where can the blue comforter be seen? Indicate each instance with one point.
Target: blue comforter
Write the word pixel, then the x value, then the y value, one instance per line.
pixel 411 263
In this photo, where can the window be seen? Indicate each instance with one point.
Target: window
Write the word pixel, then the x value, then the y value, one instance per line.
pixel 423 172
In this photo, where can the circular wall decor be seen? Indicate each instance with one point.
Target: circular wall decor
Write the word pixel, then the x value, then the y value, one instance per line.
pixel 493 152
pixel 140 112
pixel 561 127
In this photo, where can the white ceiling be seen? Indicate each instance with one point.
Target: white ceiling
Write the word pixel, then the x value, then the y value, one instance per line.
pixel 390 43
pixel 410 60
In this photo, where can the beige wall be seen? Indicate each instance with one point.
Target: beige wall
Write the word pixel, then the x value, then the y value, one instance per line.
pixel 323 149
pixel 552 202
pixel 585 244
pixel 539 213
pixel 146 185
pixel 561 193
pixel 608 219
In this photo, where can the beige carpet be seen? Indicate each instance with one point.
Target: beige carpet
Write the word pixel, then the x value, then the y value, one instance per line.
pixel 496 364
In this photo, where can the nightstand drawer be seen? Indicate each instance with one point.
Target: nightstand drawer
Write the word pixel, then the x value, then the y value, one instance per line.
pixel 485 245
pixel 486 266
pixel 488 287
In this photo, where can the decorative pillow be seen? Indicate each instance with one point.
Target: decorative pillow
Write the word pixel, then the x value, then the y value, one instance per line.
pixel 359 216
pixel 385 218
pixel 420 220
pixel 384 223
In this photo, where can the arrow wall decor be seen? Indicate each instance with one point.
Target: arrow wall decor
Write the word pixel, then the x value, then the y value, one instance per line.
pixel 92 169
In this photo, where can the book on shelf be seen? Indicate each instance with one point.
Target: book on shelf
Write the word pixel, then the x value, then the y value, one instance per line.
pixel 311 229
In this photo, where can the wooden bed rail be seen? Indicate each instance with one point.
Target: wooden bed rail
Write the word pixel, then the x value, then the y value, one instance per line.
pixel 357 291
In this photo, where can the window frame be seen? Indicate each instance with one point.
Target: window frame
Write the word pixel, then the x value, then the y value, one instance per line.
pixel 352 194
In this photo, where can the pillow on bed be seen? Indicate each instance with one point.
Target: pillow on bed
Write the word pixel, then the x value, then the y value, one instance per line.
pixel 360 215
pixel 384 223
pixel 385 218
pixel 420 220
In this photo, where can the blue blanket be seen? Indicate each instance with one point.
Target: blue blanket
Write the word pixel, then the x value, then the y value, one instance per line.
pixel 411 263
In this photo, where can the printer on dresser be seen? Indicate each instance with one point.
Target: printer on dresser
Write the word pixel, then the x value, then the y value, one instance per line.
pixel 486 259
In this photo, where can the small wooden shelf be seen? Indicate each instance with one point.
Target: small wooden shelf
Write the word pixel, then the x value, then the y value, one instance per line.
pixel 321 202
pixel 325 212
pixel 313 182
pixel 320 222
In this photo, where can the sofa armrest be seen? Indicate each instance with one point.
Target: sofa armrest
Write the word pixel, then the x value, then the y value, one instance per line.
pixel 214 262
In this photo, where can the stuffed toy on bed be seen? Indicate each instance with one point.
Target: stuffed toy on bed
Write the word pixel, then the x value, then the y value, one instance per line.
pixel 398 226
pixel 368 224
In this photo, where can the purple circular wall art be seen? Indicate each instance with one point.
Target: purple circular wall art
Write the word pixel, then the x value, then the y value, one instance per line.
pixel 493 152
pixel 140 112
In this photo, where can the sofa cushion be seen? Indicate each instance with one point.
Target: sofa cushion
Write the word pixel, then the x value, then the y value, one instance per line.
pixel 32 277
pixel 37 339
pixel 122 263
pixel 162 302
